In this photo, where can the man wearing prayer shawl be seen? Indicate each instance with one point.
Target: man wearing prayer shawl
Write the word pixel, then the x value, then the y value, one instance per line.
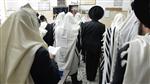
pixel 42 27
pixel 49 35
pixel 66 38
pixel 23 55
pixel 91 36
pixel 133 59
pixel 59 19
pixel 57 23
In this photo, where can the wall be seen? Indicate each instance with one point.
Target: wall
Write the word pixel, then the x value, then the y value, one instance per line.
pixel 109 14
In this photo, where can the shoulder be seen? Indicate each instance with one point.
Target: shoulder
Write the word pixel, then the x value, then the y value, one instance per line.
pixel 85 23
pixel 41 51
pixel 101 24
pixel 49 26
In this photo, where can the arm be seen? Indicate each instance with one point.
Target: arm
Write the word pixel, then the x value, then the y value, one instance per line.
pixel 44 70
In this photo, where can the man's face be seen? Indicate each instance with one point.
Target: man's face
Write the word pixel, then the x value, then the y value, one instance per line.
pixel 74 10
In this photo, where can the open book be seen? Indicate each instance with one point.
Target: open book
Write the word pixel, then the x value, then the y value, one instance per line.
pixel 53 50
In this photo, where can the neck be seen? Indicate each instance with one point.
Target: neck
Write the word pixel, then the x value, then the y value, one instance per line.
pixel 145 30
pixel 95 20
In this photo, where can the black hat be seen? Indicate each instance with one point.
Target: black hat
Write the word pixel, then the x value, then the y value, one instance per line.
pixel 142 11
pixel 96 13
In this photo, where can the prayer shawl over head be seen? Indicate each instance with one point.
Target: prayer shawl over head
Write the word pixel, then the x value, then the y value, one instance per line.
pixel 58 23
pixel 19 41
pixel 66 38
pixel 138 62
pixel 59 18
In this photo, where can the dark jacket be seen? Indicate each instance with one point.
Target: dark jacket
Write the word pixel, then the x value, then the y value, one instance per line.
pixel 44 70
pixel 91 35
pixel 49 37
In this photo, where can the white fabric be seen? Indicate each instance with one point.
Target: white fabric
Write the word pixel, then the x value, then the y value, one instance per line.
pixel 58 24
pixel 138 63
pixel 117 22
pixel 123 30
pixel 42 29
pixel 78 18
pixel 126 30
pixel 59 19
pixel 19 41
pixel 86 18
pixel 66 38
pixel 106 54
pixel 129 29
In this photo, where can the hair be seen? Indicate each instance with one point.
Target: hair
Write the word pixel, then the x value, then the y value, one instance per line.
pixel 37 14
pixel 43 18
pixel 96 13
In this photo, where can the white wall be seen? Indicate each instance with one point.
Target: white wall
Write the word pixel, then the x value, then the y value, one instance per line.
pixel 105 3
pixel 108 3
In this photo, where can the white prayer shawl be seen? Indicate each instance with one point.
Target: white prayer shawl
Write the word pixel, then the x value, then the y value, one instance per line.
pixel 129 29
pixel 106 54
pixel 125 31
pixel 59 19
pixel 78 18
pixel 138 62
pixel 116 24
pixel 42 29
pixel 58 24
pixel 109 47
pixel 66 38
pixel 19 41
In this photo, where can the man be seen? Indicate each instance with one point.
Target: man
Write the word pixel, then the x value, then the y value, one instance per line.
pixel 49 35
pixel 133 59
pixel 91 36
pixel 66 38
pixel 24 58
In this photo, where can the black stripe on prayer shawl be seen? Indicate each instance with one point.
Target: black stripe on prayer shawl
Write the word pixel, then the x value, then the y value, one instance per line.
pixel 114 36
pixel 108 40
pixel 53 35
pixel 102 63
pixel 109 63
pixel 108 51
pixel 119 69
pixel 109 32
pixel 105 82
pixel 107 54
pixel 107 79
